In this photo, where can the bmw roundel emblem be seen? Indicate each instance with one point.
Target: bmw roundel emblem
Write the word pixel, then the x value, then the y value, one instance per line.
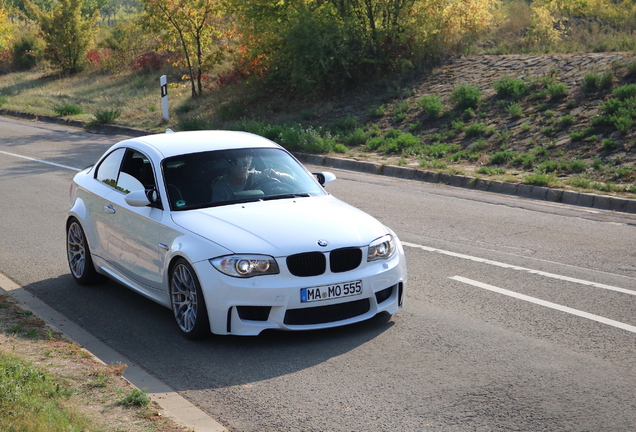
pixel 322 243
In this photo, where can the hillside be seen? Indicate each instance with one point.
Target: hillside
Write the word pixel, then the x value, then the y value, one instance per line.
pixel 558 132
pixel 541 121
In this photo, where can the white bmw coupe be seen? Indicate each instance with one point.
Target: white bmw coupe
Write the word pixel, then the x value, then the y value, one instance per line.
pixel 232 233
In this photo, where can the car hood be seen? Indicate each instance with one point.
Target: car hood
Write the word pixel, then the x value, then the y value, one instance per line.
pixel 283 227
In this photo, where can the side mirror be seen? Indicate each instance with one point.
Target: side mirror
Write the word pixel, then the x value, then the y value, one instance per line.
pixel 324 178
pixel 142 198
pixel 137 198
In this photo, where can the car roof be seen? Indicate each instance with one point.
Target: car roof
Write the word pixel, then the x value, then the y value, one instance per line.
pixel 177 143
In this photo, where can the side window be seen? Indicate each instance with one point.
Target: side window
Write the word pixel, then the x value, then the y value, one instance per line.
pixel 109 168
pixel 136 172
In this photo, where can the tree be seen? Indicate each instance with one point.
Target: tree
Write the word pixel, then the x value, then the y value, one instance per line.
pixel 6 29
pixel 194 27
pixel 66 33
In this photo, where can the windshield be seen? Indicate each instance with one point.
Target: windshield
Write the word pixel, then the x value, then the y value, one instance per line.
pixel 234 176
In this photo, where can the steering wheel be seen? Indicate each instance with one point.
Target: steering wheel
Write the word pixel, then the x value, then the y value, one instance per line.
pixel 273 186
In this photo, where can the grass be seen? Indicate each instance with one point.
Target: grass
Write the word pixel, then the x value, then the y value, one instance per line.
pixel 48 384
pixel 34 400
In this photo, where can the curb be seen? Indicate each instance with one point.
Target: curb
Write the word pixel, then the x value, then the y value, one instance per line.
pixel 174 406
pixel 601 202
pixel 108 129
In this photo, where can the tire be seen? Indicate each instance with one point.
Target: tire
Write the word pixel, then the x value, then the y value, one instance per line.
pixel 78 254
pixel 188 304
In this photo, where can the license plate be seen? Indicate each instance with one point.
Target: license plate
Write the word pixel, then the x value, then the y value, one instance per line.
pixel 331 291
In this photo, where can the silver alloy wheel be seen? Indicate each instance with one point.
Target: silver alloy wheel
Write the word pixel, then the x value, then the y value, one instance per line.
pixel 76 249
pixel 183 290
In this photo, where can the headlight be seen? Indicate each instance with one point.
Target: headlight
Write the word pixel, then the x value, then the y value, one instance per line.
pixel 245 266
pixel 381 248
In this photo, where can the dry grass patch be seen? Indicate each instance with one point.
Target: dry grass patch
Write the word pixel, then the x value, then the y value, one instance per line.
pixel 86 392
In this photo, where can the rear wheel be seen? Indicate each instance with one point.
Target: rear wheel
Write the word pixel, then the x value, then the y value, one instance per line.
pixel 79 255
pixel 188 304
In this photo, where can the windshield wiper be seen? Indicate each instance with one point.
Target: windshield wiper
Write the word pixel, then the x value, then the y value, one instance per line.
pixel 285 196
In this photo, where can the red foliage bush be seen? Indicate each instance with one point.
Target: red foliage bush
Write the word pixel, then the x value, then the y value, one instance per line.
pixel 96 57
pixel 151 61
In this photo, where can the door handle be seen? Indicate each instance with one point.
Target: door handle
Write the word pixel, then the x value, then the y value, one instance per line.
pixel 109 209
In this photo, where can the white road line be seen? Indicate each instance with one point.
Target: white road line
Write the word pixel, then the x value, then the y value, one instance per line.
pixel 597 318
pixel 514 267
pixel 40 161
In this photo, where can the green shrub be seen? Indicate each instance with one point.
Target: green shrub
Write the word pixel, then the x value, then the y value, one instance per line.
pixel 576 166
pixel 611 106
pixel 539 179
pixel 378 111
pixel 490 171
pixel 468 114
pixel 466 96
pixel 601 120
pixel 525 161
pixel 548 130
pixel 340 148
pixel 548 166
pixel 623 123
pixel 510 88
pixel 591 82
pixel 465 155
pixel 136 397
pixel 475 129
pixel 457 125
pixel 432 105
pixel 607 80
pixel 577 135
pixel 566 120
pixel 597 164
pixel 557 91
pixel 356 138
pixel 624 92
pixel 501 157
pixel 541 151
pixel 26 52
pixel 514 110
pixel 68 109
pixel 609 144
pixel 106 116
pixel 439 150
pixel 580 182
pixel 346 124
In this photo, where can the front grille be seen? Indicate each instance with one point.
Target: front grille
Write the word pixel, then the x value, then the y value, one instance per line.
pixel 307 264
pixel 327 314
pixel 315 263
pixel 342 260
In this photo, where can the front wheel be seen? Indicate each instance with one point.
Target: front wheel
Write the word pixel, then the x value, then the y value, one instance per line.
pixel 79 255
pixel 188 304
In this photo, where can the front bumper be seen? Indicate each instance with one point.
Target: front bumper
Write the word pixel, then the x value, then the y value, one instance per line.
pixel 249 306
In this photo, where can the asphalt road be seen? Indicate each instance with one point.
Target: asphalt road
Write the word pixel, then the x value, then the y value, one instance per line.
pixel 520 314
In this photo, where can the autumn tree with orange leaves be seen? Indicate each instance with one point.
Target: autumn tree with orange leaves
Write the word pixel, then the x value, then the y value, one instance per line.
pixel 191 26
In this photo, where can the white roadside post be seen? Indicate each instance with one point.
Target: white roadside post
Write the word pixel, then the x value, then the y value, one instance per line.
pixel 164 97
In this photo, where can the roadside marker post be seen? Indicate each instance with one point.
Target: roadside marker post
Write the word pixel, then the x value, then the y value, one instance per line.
pixel 164 97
